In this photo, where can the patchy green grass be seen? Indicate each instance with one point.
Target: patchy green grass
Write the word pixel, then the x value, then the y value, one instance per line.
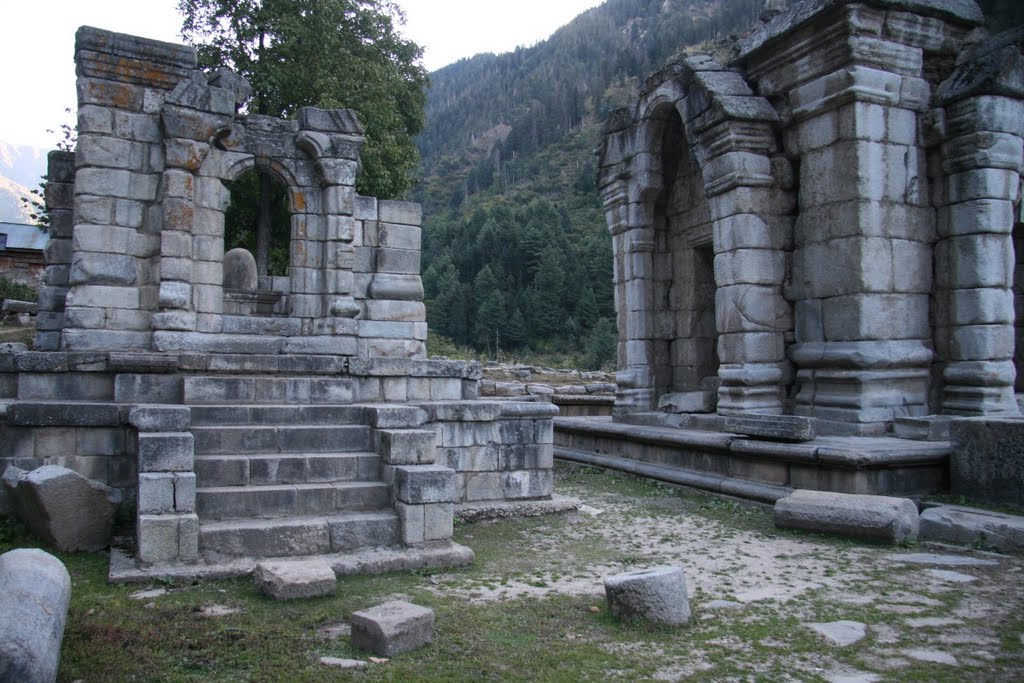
pixel 552 624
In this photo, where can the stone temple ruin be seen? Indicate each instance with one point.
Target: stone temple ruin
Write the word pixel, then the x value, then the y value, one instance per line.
pixel 247 416
pixel 817 238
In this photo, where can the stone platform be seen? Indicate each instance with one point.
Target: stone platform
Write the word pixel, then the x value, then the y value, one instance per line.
pixel 757 469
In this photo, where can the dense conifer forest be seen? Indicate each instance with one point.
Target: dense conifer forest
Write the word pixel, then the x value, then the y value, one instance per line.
pixel 516 253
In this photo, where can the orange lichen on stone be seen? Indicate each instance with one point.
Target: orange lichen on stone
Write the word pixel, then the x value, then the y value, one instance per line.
pixel 299 200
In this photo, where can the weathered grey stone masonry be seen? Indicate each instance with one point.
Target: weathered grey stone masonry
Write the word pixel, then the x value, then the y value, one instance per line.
pixel 848 189
pixel 247 416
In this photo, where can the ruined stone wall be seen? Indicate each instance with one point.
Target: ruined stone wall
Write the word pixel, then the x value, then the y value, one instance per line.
pixel 861 208
pixel 145 257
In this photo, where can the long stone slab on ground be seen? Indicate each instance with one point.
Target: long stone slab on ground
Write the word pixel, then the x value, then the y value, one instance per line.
pixel 881 518
pixel 288 580
pixel 969 526
pixel 392 628
pixel 772 427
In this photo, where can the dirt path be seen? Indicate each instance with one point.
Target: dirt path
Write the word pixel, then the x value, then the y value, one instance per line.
pixel 815 607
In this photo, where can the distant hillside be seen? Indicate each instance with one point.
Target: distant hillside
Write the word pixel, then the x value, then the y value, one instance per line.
pixel 12 209
pixel 516 250
pixel 21 169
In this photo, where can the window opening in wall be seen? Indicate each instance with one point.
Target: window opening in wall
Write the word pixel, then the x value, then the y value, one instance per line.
pixel 243 218
pixel 256 259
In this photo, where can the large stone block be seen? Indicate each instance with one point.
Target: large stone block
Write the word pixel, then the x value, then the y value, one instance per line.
pixel 418 484
pixel 881 518
pixel 971 526
pixel 986 462
pixel 392 628
pixel 407 446
pixel 166 452
pixel 35 590
pixel 657 595
pixel 62 507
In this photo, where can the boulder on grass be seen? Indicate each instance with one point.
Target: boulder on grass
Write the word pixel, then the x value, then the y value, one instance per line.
pixel 657 595
pixel 34 593
pixel 392 628
pixel 60 506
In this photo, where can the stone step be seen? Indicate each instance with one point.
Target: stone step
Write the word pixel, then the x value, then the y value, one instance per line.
pixel 294 536
pixel 263 389
pixel 218 415
pixel 281 500
pixel 285 468
pixel 245 439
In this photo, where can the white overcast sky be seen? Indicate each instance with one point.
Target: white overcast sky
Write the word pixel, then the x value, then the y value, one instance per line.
pixel 37 44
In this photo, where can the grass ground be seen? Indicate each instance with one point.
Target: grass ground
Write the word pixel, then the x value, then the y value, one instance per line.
pixel 531 607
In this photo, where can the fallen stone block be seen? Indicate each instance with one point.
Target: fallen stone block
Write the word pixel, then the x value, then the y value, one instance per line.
pixel 881 518
pixel 62 507
pixel 392 628
pixel 969 526
pixel 657 595
pixel 288 580
pixel 16 306
pixel 772 427
pixel 35 589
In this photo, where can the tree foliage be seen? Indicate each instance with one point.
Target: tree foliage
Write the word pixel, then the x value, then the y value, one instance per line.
pixel 329 54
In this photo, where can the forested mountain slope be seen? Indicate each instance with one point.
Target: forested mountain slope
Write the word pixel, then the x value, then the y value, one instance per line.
pixel 516 249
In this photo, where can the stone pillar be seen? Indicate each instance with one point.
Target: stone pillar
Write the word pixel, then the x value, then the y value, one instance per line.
pixel 59 197
pixel 752 232
pixel 982 160
pixel 122 82
pixel 862 261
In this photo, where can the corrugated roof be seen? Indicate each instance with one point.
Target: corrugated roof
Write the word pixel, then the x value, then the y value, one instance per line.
pixel 21 236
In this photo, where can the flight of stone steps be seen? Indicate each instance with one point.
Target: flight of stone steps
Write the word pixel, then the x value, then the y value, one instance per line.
pixel 288 480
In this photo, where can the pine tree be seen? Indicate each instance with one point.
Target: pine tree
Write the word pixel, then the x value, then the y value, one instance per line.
pixel 490 310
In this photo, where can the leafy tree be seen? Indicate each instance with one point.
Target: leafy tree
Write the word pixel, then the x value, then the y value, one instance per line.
pixel 323 53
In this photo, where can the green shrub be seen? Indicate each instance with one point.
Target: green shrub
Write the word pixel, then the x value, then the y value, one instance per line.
pixel 16 290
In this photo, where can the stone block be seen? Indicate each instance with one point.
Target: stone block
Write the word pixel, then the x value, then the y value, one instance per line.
pixel 35 590
pixel 157 538
pixel 392 628
pixel 657 595
pixel 156 493
pixel 986 463
pixel 419 484
pixel 288 580
pixel 407 446
pixel 158 418
pixel 772 427
pixel 438 522
pixel 881 518
pixel 971 526
pixel 166 452
pixel 62 507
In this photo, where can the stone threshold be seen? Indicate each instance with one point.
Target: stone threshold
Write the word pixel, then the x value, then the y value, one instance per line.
pixel 497 509
pixel 123 568
pixel 727 486
pixel 838 451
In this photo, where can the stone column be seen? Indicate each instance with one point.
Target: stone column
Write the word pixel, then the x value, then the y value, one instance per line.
pixel 59 197
pixel 974 257
pixel 862 260
pixel 122 82
pixel 752 231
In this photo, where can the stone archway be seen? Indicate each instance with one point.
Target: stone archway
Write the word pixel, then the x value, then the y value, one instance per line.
pixel 721 205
